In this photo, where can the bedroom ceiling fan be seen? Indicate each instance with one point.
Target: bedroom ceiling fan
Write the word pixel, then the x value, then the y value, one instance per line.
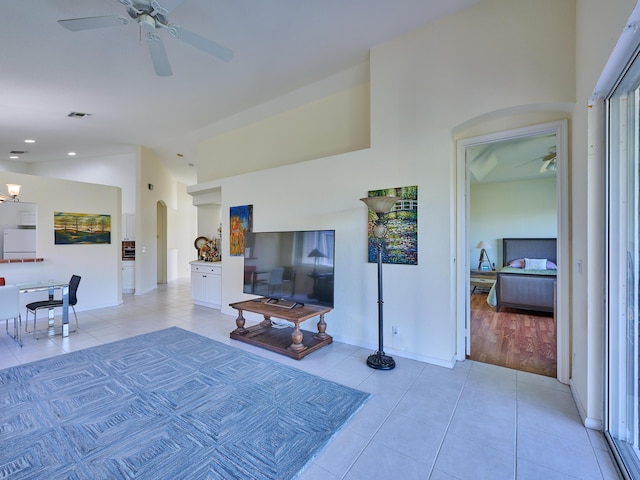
pixel 549 161
pixel 152 16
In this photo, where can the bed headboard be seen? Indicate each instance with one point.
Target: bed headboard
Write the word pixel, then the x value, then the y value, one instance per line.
pixel 515 248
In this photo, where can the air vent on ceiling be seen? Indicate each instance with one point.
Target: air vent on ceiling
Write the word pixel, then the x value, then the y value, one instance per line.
pixel 78 115
pixel 18 152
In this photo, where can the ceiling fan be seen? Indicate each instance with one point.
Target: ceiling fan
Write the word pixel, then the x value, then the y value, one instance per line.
pixel 549 161
pixel 152 16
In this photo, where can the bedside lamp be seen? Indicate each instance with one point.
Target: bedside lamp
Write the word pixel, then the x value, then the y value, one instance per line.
pixel 484 255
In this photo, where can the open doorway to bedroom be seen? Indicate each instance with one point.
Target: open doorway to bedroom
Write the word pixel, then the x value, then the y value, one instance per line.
pixel 513 195
pixel 513 189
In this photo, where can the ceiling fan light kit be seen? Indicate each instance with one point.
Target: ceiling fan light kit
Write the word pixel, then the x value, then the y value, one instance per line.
pixel 151 16
pixel 147 22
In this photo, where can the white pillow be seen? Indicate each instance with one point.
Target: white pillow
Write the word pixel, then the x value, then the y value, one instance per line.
pixel 535 263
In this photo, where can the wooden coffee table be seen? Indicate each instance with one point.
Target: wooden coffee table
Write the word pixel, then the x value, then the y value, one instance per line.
pixel 291 341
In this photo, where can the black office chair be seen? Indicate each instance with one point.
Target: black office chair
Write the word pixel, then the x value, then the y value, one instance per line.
pixel 33 307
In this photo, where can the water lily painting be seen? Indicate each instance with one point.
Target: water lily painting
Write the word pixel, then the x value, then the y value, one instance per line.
pixel 401 240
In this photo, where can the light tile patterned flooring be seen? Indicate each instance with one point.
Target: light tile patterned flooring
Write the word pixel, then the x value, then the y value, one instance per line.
pixel 472 422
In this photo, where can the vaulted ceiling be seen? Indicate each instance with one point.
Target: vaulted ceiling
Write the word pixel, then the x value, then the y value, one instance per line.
pixel 523 158
pixel 48 72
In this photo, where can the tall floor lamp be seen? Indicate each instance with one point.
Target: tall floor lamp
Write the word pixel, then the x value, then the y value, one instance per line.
pixel 380 206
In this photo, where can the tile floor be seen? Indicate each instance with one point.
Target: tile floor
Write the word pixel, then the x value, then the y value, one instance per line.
pixel 475 421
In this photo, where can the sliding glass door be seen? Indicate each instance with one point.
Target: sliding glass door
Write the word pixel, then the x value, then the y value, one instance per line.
pixel 623 334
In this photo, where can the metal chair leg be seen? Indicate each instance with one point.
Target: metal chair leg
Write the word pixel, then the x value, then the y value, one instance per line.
pixel 17 327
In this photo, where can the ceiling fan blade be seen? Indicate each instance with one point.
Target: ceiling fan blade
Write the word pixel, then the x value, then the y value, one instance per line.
pixel 165 6
pixel 158 55
pixel 131 6
pixel 200 42
pixel 546 165
pixel 89 23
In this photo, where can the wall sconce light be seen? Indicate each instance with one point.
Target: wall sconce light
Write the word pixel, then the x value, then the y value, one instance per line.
pixel 14 191
pixel 380 206
pixel 484 255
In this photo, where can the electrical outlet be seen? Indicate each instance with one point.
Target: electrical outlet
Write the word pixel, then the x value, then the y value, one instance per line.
pixel 395 330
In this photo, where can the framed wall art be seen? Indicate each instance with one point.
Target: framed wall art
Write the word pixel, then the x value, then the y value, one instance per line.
pixel 240 221
pixel 81 228
pixel 401 240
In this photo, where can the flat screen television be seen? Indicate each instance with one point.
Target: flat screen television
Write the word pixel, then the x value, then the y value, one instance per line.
pixel 294 268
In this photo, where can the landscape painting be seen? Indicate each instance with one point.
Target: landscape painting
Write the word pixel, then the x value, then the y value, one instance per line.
pixel 81 228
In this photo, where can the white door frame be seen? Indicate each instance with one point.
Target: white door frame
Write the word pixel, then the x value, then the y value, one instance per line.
pixel 462 240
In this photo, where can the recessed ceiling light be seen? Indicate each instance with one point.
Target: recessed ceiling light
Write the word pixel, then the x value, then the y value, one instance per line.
pixel 29 141
pixel 72 154
pixel 14 157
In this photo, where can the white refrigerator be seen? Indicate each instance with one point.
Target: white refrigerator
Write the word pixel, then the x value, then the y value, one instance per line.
pixel 19 243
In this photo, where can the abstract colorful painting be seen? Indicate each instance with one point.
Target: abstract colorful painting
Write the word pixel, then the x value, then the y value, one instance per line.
pixel 81 228
pixel 401 241
pixel 240 221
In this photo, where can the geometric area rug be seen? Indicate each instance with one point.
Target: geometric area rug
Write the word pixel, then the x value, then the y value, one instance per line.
pixel 165 405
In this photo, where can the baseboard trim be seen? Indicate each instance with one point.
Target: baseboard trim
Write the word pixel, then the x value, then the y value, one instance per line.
pixel 404 354
pixel 588 422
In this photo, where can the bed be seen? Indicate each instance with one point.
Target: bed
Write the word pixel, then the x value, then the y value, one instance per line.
pixel 526 288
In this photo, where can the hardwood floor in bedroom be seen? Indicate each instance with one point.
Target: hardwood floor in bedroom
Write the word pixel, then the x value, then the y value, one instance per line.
pixel 511 338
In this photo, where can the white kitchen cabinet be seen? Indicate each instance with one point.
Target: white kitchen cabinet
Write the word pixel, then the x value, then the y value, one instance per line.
pixel 128 277
pixel 206 284
pixel 27 218
pixel 128 226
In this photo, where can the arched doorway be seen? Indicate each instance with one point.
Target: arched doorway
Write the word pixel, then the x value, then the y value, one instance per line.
pixel 559 129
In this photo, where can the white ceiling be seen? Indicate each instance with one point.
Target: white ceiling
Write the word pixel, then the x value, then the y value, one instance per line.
pixel 519 158
pixel 279 46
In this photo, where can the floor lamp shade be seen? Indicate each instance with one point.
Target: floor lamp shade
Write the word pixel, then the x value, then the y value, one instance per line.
pixel 380 206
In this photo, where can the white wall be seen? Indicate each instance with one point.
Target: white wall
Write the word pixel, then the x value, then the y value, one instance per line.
pixel 182 226
pixel 209 219
pixel 98 265
pixel 599 26
pixel 125 171
pixel 335 124
pixel 522 209
pixel 115 170
pixel 13 166
pixel 424 86
pixel 181 221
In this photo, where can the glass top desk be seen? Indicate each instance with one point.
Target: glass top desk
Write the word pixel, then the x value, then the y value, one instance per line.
pixel 51 286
